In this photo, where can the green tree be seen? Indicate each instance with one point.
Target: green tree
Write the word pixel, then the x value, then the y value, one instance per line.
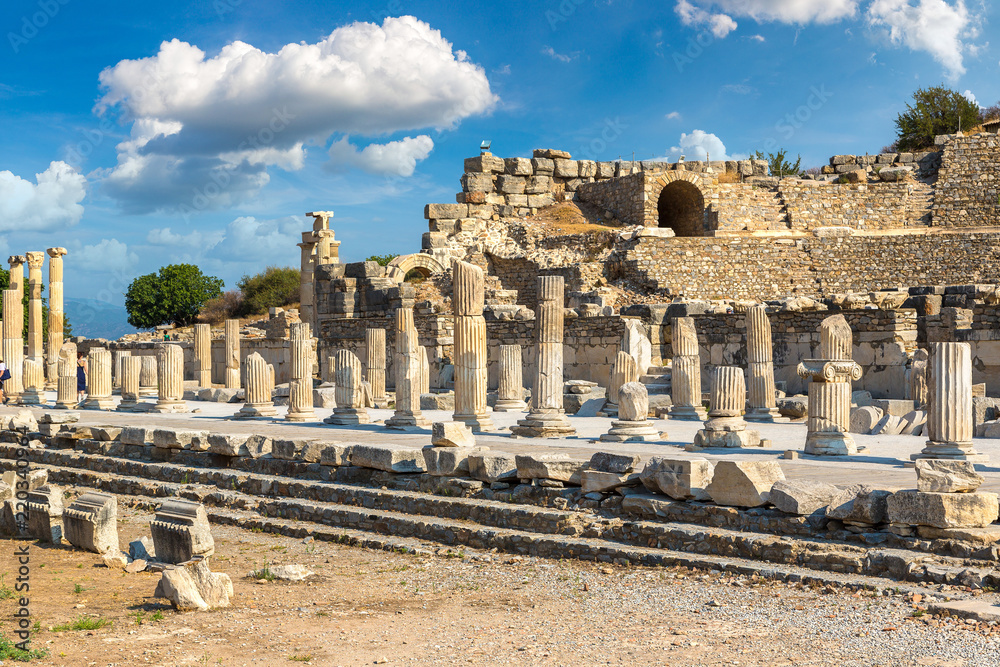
pixel 382 260
pixel 274 286
pixel 779 165
pixel 933 111
pixel 173 295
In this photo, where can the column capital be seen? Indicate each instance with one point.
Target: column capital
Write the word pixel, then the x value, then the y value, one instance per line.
pixel 309 237
pixel 57 252
pixel 321 219
pixel 16 260
pixel 35 259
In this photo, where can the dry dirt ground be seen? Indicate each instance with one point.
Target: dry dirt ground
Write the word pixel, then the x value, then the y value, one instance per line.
pixel 368 607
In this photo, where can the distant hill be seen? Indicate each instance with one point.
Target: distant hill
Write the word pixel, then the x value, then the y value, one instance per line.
pixel 97 319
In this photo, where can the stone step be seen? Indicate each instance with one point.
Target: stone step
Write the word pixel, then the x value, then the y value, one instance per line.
pixel 649 378
pixel 658 370
pixel 494 525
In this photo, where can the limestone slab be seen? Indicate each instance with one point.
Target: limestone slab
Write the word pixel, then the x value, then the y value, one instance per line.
pixel 802 497
pixel 559 467
pixel 680 479
pixel 743 483
pixel 860 503
pixel 943 510
pixel 616 463
pixel 493 467
pixel 399 459
pixel 452 434
pixel 947 476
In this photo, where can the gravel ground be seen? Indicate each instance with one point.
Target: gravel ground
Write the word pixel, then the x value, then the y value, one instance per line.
pixel 371 607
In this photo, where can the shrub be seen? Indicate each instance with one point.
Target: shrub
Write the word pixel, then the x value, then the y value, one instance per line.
pixel 273 287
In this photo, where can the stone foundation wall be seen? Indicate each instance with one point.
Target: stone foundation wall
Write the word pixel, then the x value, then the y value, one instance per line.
pixel 968 187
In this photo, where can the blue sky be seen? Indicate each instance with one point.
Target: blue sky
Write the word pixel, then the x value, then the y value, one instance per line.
pixel 141 134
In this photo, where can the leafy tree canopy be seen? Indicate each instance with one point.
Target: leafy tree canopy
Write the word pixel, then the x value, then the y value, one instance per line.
pixel 173 295
pixel 382 260
pixel 274 286
pixel 933 111
pixel 779 165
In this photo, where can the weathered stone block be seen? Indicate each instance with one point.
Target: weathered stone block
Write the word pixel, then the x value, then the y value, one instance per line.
pixel 559 467
pixel 194 587
pixel 452 434
pixel 743 483
pixel 802 497
pixel 517 166
pixel 680 479
pixel 180 439
pixel 106 433
pixel 447 211
pixel 492 467
pixel 180 531
pixel 943 510
pixel 597 481
pixel 566 168
pixel 477 182
pixel 510 185
pixel 864 419
pixel 91 522
pixel 400 459
pixel 228 444
pixel 448 461
pixel 136 435
pixel 859 503
pixel 335 454
pixel 45 510
pixel 616 463
pixel 297 449
pixel 947 476
pixel 485 162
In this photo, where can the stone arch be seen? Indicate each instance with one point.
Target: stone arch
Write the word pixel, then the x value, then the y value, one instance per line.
pixel 680 203
pixel 426 265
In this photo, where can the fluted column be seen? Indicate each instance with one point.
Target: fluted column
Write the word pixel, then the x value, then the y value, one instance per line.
pixel 119 366
pixel 131 369
pixel 510 394
pixel 547 418
pixel 760 359
pixel 34 383
pixel 203 354
pixel 148 376
pixel 232 340
pixel 727 399
pixel 35 335
pixel 170 380
pixel 375 365
pixel 425 369
pixel 56 317
pixel 468 297
pixel 949 412
pixel 407 370
pixel 17 263
pixel 300 395
pixel 625 369
pixel 685 372
pixel 830 380
pixel 13 343
pixel 98 380
pixel 919 387
pixel 347 376
pixel 66 394
pixel 308 247
pixel 257 385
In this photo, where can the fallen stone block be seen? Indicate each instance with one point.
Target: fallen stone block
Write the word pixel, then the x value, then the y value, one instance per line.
pixel 291 572
pixel 105 433
pixel 297 449
pixel 180 531
pixel 24 420
pixel 228 444
pixel 196 441
pixel 988 535
pixel 893 406
pixel 448 461
pixel 14 520
pixel 59 417
pixel 324 397
pixel 452 434
pixel 34 479
pixel 91 522
pixel 861 398
pixel 558 467
pixel 335 454
pixel 142 548
pixel 888 425
pixel 802 497
pixel 946 476
pixel 864 419
pixel 45 513
pixel 743 483
pixel 399 459
pixel 943 510
pixel 859 503
pixel 914 422
pixel 796 407
pixel 136 435
pixel 597 481
pixel 617 463
pixel 680 479
pixel 193 587
pixel 437 401
pixel 494 467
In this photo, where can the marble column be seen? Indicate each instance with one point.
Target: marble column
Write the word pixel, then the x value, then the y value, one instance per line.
pixel 625 369
pixel 258 387
pixel 375 365
pixel 232 341
pixel 17 263
pixel 300 395
pixel 510 395
pixel 685 372
pixel 425 370
pixel 949 411
pixel 547 418
pixel 919 370
pixel 308 263
pixel 468 296
pixel 830 377
pixel 119 366
pixel 98 380
pixel 131 369
pixel 148 376
pixel 633 423
pixel 56 316
pixel 407 372
pixel 66 393
pixel 34 383
pixel 203 354
pixel 13 343
pixel 35 335
pixel 350 408
pixel 760 360
pixel 725 426
pixel 170 380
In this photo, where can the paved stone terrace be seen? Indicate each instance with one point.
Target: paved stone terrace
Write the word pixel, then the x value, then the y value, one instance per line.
pixel 882 465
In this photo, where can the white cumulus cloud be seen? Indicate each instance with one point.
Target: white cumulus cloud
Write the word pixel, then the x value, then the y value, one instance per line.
pixel 108 256
pixel 209 127
pixel 934 26
pixel 395 158
pixel 245 239
pixel 698 145
pixel 51 202
pixel 763 11
pixel 972 98
pixel 719 25
pixel 196 239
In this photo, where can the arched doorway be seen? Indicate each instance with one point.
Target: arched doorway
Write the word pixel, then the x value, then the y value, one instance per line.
pixel 681 207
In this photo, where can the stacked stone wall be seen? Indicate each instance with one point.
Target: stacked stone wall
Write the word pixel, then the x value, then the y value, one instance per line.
pixel 968 187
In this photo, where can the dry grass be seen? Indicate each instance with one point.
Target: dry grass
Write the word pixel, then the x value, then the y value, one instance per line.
pixel 729 177
pixel 572 218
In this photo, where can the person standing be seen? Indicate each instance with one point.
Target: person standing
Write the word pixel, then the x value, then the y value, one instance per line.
pixel 81 377
pixel 4 376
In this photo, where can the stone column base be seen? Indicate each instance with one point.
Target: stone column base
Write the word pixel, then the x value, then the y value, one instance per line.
pixel 131 406
pixel 956 451
pixel 765 415
pixel 256 411
pixel 407 422
pixel 478 423
pixel 65 406
pixel 381 403
pixel 102 403
pixel 348 417
pixel 688 413
pixel 711 438
pixel 301 416
pixel 830 443
pixel 632 431
pixel 510 405
pixel 33 397
pixel 544 425
pixel 170 407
